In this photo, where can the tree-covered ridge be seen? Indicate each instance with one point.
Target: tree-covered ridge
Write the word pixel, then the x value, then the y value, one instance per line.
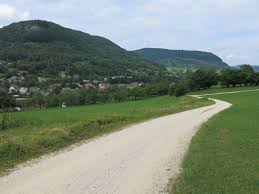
pixel 42 47
pixel 182 58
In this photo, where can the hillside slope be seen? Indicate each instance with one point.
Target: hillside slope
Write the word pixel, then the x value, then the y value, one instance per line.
pixel 38 46
pixel 181 58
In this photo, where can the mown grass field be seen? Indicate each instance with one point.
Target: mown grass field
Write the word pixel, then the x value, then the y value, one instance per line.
pixel 220 89
pixel 224 154
pixel 39 132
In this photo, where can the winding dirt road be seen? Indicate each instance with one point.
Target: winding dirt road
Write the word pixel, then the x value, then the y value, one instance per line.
pixel 137 160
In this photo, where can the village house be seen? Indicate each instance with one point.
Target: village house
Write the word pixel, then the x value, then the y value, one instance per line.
pixel 13 89
pixel 133 85
pixel 16 79
pixel 52 87
pixel 23 91
pixel 86 81
pixel 118 77
pixel 62 74
pixel 89 86
pixel 95 82
pixel 103 87
pixel 141 84
pixel 33 89
pixel 79 85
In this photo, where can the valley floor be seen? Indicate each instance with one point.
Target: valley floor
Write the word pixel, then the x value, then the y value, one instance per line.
pixel 31 134
pixel 139 159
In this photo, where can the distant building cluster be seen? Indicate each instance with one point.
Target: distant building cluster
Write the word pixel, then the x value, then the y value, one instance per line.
pixel 18 85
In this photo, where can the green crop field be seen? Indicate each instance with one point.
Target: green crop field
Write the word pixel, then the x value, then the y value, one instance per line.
pixel 34 133
pixel 224 154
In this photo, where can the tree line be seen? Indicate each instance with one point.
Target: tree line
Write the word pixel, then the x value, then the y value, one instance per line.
pixel 205 78
pixel 238 77
pixel 73 97
pixel 199 79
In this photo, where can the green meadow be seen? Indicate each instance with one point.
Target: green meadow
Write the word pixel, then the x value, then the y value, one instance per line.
pixel 220 89
pixel 38 132
pixel 224 154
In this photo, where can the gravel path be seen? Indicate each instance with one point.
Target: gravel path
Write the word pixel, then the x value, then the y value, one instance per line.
pixel 137 160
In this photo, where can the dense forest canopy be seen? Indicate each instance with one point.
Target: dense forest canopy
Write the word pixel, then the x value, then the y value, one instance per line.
pixel 45 48
pixel 181 58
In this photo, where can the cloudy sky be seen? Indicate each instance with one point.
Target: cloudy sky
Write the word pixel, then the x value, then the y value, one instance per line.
pixel 228 28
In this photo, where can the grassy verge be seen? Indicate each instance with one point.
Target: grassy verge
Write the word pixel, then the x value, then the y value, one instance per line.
pixel 39 132
pixel 224 155
pixel 219 90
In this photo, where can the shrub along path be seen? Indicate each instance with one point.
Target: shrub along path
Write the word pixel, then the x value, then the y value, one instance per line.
pixel 138 159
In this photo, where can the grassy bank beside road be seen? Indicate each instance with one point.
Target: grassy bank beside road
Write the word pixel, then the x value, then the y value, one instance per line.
pixel 224 154
pixel 38 132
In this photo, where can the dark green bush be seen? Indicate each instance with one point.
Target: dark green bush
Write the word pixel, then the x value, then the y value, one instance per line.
pixel 171 90
pixel 180 90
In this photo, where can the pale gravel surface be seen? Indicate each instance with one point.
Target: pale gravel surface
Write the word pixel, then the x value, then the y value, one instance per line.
pixel 137 160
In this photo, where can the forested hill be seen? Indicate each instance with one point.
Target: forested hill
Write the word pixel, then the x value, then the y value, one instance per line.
pixel 42 47
pixel 181 58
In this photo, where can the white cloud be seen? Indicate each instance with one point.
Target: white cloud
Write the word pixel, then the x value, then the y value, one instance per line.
pixel 8 12
pixel 238 50
pixel 235 56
